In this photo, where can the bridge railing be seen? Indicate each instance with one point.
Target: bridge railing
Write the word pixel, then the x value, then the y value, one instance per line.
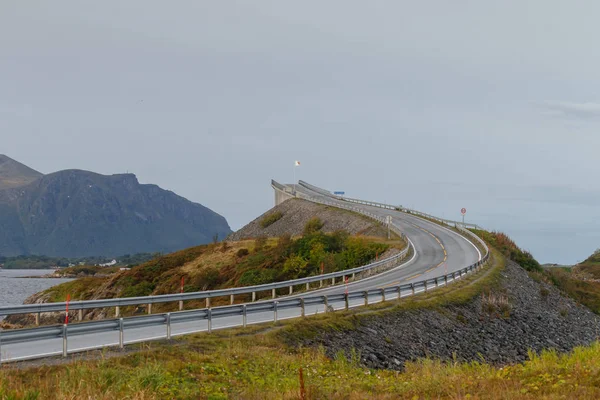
pixel 180 297
pixel 387 206
pixel 207 316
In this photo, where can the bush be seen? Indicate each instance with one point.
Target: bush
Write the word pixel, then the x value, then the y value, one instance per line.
pixel 242 253
pixel 207 279
pixel 313 225
pixel 271 219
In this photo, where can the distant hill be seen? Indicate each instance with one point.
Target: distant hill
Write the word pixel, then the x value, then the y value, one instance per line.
pixel 76 213
pixel 14 174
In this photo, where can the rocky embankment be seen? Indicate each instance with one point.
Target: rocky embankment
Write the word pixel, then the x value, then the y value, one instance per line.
pixel 295 213
pixel 499 327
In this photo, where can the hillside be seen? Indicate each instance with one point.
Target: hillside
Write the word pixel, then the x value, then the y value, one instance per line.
pixel 474 339
pixel 581 282
pixel 223 265
pixel 291 216
pixel 76 213
pixel 14 174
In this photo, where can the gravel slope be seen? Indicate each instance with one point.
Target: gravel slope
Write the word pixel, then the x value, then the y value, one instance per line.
pixel 297 212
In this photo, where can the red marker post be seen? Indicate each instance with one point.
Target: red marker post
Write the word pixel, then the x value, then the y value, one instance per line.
pixel 67 310
pixel 346 283
pixel 181 291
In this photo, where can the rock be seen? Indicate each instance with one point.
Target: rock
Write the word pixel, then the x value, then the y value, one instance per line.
pixel 534 323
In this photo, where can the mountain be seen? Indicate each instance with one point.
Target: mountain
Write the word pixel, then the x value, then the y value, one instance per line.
pixel 15 174
pixel 76 213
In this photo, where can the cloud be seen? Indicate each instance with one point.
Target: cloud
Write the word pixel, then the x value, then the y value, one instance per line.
pixel 572 110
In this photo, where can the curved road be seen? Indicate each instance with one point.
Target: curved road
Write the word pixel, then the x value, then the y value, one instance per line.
pixel 438 250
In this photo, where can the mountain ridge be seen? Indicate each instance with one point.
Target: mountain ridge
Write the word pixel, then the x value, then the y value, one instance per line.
pixel 77 213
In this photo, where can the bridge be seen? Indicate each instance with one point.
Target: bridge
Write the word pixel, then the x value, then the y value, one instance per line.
pixel 439 252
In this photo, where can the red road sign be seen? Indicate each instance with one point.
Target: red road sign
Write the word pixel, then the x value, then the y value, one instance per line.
pixel 463 211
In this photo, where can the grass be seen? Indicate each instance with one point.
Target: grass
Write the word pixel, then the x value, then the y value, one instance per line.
pixel 257 364
pixel 226 264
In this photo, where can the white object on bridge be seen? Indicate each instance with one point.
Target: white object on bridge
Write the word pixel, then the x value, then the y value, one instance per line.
pixel 297 163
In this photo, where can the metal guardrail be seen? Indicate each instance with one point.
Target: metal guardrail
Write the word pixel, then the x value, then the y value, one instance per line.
pixel 209 314
pixel 179 297
pixel 448 222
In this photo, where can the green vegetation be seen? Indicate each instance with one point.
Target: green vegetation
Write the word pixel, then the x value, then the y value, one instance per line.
pixel 232 264
pixel 86 270
pixel 271 219
pixel 509 249
pixel 44 262
pixel 313 225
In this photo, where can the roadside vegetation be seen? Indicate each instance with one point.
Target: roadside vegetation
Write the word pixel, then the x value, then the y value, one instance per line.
pixel 256 363
pixel 233 264
pixel 509 249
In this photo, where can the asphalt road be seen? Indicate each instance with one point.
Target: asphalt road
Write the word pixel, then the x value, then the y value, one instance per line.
pixel 438 251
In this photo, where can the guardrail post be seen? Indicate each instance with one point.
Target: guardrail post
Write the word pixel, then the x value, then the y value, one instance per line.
pixel 275 303
pixel 273 293
pixel 244 315
pixel 353 275
pixel 333 281
pixel 64 340
pixel 453 276
pixel 150 308
pixel 231 299
pixel 412 288
pixel 168 326
pixel 302 308
pixel 253 296
pixel 382 291
pixel 326 303
pixel 307 286
pixel 208 302
pixel 445 280
pixel 209 318
pixel 291 289
pixel 121 338
pixel 321 283
pixel 117 311
pixel 399 292
pixel 37 319
pixel 346 302
pixel 436 282
pixel 80 315
pixel 366 294
pixel 180 305
pixel 425 284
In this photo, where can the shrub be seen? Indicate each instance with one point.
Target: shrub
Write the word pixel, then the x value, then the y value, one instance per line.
pixel 208 278
pixel 313 225
pixel 271 219
pixel 242 253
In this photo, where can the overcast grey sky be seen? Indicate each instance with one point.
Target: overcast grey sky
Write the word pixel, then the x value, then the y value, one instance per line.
pixel 492 106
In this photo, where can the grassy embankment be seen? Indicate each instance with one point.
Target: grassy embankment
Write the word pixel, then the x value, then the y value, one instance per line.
pixel 582 282
pixel 232 264
pixel 234 364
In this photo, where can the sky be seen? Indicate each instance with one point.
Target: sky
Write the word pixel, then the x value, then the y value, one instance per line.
pixel 435 105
